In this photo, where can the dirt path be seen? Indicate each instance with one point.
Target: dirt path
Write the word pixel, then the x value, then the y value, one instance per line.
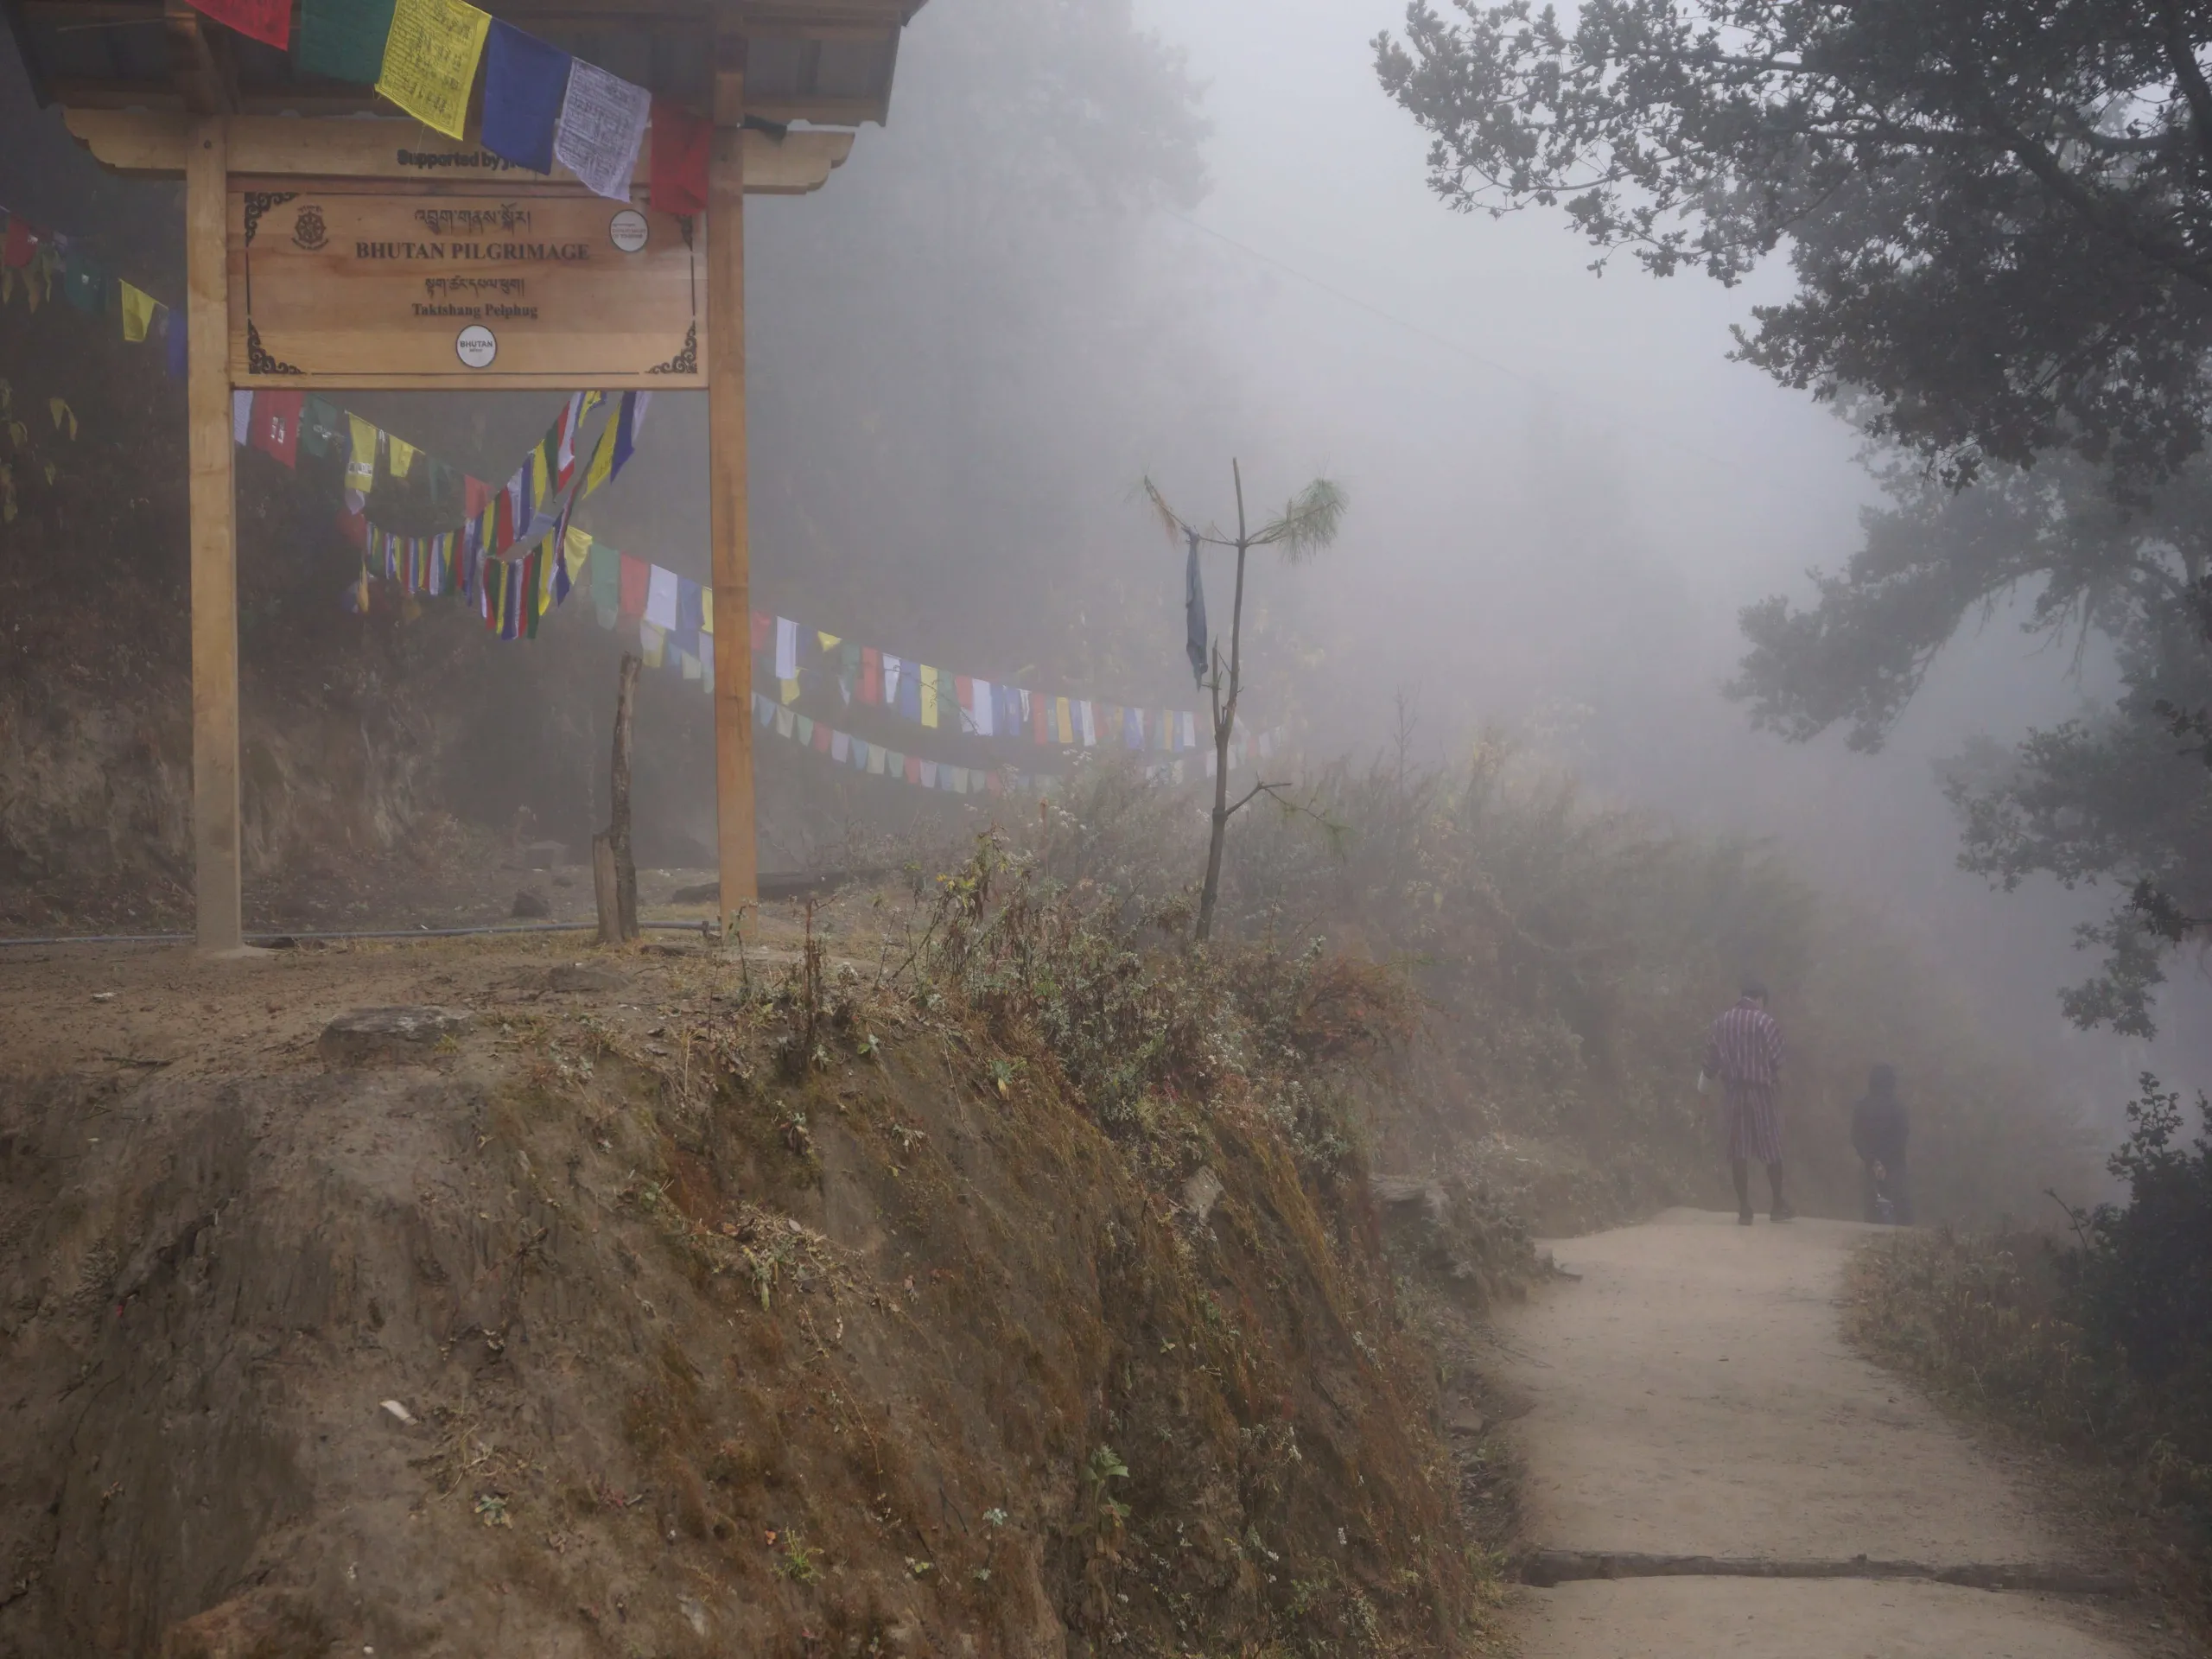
pixel 1694 1397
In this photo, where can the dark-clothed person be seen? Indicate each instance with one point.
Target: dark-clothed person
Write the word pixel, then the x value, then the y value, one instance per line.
pixel 1743 1050
pixel 1877 1135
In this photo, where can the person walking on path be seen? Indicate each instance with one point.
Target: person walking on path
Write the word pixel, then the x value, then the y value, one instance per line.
pixel 1877 1135
pixel 1743 1050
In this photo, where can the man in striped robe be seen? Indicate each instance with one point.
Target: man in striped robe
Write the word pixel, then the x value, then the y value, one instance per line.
pixel 1743 1050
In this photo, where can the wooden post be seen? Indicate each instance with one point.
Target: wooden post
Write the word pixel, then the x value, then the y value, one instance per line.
pixel 727 492
pixel 614 866
pixel 216 879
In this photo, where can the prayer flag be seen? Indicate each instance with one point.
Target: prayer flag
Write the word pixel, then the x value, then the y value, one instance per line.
pixel 910 693
pixel 525 79
pixel 653 644
pixel 361 463
pixel 923 772
pixel 986 721
pixel 635 584
pixel 343 39
pixel 963 693
pixel 605 578
pixel 871 675
pixel 137 312
pixel 575 552
pixel 84 284
pixel 822 735
pixel 828 642
pixel 277 424
pixel 706 610
pixel 241 417
pixel 174 333
pixel 602 124
pixel 762 623
pixel 617 440
pixel 678 175
pixel 564 436
pixel 841 747
pixel 660 599
pixel 21 243
pixel 787 690
pixel 1189 731
pixel 876 757
pixel 690 611
pixel 786 722
pixel 1090 723
pixel 929 696
pixel 400 456
pixel 429 60
pixel 1066 725
pixel 891 671
pixel 1194 613
pixel 1042 725
pixel 263 20
pixel 786 649
pixel 763 710
pixel 689 659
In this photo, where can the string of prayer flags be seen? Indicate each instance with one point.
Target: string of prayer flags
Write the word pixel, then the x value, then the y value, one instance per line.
pixel 429 60
pixel 260 20
pixel 602 127
pixel 524 83
pixel 682 142
pixel 845 749
pixel 343 39
pixel 619 441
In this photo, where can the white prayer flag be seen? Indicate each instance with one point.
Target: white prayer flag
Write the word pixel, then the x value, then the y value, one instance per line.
pixel 660 599
pixel 603 122
pixel 985 721
pixel 786 649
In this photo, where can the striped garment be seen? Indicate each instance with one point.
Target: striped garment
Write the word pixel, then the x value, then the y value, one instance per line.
pixel 1743 1050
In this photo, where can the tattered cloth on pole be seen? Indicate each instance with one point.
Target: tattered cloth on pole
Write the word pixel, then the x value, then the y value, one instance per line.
pixel 1194 611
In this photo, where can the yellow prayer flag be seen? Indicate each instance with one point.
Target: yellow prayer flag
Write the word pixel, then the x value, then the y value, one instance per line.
pixel 137 312
pixel 602 459
pixel 429 60
pixel 790 689
pixel 361 460
pixel 402 455
pixel 59 408
pixel 1064 720
pixel 653 644
pixel 929 696
pixel 829 641
pixel 706 610
pixel 575 549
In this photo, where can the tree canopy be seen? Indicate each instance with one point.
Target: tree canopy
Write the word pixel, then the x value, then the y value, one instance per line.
pixel 2000 215
pixel 2123 797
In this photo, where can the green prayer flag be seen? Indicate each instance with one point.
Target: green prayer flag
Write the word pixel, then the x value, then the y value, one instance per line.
pixel 83 283
pixel 318 425
pixel 605 566
pixel 343 39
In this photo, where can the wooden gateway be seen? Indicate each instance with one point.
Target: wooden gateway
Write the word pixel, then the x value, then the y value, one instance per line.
pixel 332 243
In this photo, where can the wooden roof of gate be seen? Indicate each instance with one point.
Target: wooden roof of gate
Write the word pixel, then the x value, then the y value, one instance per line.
pixel 827 62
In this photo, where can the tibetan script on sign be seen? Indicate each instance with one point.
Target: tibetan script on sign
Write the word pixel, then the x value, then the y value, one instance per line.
pixel 343 283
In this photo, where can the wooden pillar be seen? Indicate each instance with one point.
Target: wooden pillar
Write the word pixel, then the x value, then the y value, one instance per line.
pixel 726 461
pixel 216 881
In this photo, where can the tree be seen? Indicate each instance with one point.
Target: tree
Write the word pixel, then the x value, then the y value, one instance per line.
pixel 1306 525
pixel 2123 797
pixel 1999 216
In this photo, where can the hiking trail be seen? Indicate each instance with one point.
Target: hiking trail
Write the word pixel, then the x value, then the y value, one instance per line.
pixel 1711 1472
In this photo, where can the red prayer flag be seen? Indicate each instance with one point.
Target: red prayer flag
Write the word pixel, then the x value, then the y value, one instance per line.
pixel 277 424
pixel 760 630
pixel 681 141
pixel 354 527
pixel 637 579
pixel 964 689
pixel 913 770
pixel 871 675
pixel 21 245
pixel 822 735
pixel 264 20
pixel 1039 708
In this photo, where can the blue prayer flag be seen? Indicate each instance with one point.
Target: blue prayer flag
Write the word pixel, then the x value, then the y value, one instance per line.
pixel 910 691
pixel 173 320
pixel 524 81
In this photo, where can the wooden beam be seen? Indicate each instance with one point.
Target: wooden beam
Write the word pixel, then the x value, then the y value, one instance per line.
pixel 151 144
pixel 217 883
pixel 727 508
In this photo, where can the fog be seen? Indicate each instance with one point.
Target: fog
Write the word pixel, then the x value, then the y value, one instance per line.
pixel 1081 255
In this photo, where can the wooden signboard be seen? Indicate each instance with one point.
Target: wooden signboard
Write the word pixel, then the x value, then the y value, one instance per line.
pixel 352 283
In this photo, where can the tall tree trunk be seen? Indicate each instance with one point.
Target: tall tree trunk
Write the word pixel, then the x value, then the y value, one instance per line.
pixel 615 868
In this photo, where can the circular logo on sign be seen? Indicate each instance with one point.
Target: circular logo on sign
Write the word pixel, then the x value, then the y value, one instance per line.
pixel 308 231
pixel 628 230
pixel 476 348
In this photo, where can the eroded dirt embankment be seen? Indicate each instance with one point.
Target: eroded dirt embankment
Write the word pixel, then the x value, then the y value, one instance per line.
pixel 691 1352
